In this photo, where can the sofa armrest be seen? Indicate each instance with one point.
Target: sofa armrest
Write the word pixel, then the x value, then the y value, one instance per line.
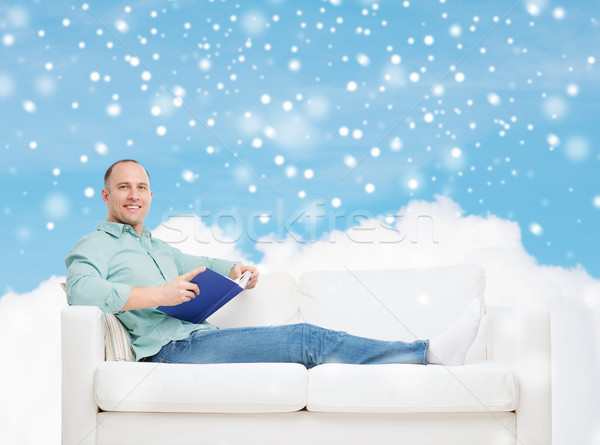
pixel 520 337
pixel 82 351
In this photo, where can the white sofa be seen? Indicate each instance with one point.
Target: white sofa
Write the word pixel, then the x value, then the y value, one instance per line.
pixel 501 396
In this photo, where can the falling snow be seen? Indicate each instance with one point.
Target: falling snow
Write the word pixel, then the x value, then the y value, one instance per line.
pixel 357 103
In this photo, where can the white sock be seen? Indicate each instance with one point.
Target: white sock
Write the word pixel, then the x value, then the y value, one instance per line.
pixel 452 345
pixel 477 351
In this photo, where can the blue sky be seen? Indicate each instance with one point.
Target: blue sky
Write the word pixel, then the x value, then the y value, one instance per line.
pixel 340 106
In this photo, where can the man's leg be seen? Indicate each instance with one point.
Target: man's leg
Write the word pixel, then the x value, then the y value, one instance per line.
pixel 300 343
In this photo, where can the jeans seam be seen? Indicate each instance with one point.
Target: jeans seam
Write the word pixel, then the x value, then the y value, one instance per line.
pixel 306 348
pixel 220 333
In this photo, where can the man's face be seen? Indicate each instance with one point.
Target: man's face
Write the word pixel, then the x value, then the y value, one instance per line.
pixel 128 195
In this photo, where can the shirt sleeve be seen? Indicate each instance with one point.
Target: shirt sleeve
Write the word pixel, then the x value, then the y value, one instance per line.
pixel 186 262
pixel 87 269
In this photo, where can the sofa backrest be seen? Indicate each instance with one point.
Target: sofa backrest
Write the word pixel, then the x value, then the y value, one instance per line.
pixel 274 301
pixel 401 304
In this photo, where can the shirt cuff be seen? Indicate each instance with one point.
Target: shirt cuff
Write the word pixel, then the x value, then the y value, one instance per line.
pixel 118 297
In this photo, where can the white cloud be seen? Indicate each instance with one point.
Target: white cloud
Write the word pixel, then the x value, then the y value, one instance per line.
pixel 427 234
pixel 190 234
pixel 30 371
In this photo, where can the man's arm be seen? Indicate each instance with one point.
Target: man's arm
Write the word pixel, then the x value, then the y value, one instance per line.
pixel 87 284
pixel 230 269
pixel 87 268
pixel 179 290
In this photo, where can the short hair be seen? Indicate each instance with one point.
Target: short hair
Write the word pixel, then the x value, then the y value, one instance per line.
pixel 110 169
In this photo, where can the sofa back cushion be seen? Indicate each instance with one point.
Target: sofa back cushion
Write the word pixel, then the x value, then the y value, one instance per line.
pixel 117 341
pixel 401 304
pixel 274 301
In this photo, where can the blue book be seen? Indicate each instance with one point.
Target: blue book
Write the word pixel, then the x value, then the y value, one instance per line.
pixel 215 291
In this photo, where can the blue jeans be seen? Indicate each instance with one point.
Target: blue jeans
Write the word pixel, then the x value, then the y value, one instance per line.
pixel 298 343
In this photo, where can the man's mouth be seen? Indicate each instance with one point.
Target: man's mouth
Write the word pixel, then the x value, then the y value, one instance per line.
pixel 132 207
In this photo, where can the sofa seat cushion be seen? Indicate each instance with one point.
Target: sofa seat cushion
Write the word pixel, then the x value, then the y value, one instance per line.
pixel 475 387
pixel 215 388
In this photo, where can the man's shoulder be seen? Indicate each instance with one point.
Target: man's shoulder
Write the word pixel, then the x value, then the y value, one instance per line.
pixel 96 236
pixel 93 240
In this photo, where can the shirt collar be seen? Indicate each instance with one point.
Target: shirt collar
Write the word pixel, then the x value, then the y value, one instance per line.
pixel 117 229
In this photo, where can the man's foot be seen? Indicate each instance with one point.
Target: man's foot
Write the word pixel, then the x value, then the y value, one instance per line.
pixel 452 345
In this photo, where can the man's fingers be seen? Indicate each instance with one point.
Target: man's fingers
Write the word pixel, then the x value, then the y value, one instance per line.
pixel 187 296
pixel 189 289
pixel 192 273
pixel 235 272
pixel 254 279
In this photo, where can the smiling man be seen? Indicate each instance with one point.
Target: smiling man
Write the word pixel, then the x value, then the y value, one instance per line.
pixel 122 269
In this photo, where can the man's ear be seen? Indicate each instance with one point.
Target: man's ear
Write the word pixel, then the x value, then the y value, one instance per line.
pixel 105 195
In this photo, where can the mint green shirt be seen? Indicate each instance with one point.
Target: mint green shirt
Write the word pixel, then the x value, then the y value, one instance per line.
pixel 105 265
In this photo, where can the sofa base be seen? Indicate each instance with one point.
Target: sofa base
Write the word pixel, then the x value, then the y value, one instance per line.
pixel 306 427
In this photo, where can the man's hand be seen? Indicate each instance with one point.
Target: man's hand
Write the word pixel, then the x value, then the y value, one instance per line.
pixel 238 270
pixel 173 293
pixel 180 290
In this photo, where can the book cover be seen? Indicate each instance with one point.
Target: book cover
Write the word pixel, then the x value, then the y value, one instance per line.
pixel 215 291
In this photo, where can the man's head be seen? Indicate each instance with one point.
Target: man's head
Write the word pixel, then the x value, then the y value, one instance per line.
pixel 127 193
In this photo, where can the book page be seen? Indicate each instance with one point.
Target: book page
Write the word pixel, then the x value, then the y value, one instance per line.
pixel 243 280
